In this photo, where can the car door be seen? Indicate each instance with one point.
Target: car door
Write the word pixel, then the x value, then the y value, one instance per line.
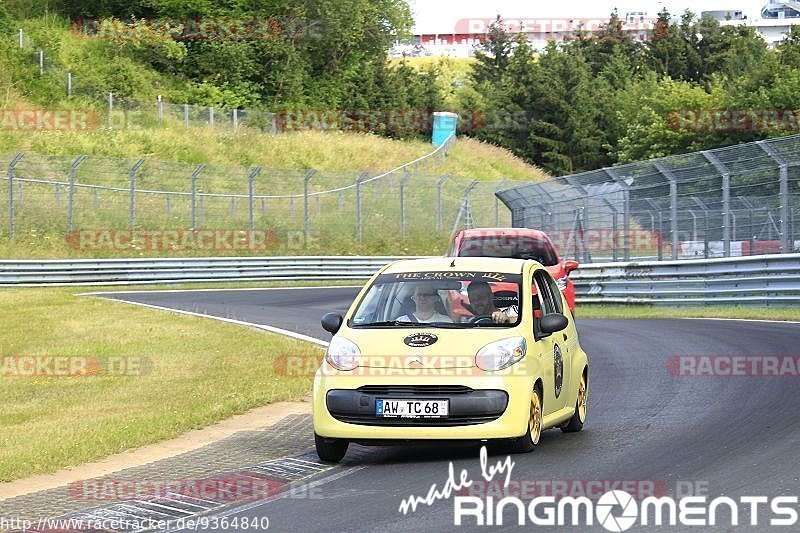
pixel 554 347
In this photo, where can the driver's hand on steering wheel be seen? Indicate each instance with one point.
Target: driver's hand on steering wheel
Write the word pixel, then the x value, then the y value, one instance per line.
pixel 499 317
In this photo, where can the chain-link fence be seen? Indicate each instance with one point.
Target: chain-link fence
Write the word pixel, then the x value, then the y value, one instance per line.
pixel 734 201
pixel 99 198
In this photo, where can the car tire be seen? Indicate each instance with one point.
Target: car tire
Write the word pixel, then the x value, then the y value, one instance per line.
pixel 530 439
pixel 330 450
pixel 575 423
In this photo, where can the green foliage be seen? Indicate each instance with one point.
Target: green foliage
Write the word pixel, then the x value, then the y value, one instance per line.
pixel 603 98
pixel 789 49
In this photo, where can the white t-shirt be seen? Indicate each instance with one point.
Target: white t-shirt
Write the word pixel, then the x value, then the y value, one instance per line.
pixel 435 317
pixel 511 312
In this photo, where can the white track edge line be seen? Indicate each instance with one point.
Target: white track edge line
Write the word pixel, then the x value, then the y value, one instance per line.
pixel 271 329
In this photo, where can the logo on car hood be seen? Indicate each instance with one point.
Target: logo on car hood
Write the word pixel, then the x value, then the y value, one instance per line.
pixel 420 340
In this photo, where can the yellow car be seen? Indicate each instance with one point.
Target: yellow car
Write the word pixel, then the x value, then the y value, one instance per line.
pixel 404 366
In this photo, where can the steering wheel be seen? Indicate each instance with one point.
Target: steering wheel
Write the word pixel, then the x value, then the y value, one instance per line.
pixel 482 319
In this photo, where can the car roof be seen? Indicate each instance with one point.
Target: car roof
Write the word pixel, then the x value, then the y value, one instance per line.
pixel 510 232
pixel 481 264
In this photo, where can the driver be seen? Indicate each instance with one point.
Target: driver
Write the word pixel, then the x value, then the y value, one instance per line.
pixel 481 300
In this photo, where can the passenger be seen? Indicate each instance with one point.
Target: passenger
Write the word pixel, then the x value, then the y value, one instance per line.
pixel 481 300
pixel 425 299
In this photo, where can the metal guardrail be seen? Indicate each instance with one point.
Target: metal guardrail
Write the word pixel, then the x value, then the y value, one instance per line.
pixel 181 270
pixel 767 280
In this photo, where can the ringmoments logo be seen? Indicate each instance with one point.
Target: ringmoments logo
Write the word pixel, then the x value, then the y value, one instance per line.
pixel 617 510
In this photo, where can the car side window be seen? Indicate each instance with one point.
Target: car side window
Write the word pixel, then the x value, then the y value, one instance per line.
pixel 544 290
pixel 555 293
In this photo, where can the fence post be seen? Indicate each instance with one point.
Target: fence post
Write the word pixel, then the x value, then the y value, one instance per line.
pixel 110 109
pixel 196 173
pixel 186 115
pixel 626 213
pixel 134 169
pixel 211 117
pixel 702 206
pixel 17 158
pixel 497 203
pixel 306 218
pixel 41 62
pixel 71 196
pixel 358 206
pixel 251 183
pixel 236 118
pixel 439 203
pixel 69 84
pixel 726 200
pixel 787 245
pixel 160 108
pixel 403 182
pixel 673 205
pixel 614 242
pixel 583 213
pixel 21 36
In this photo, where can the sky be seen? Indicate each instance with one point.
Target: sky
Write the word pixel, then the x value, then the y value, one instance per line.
pixel 441 15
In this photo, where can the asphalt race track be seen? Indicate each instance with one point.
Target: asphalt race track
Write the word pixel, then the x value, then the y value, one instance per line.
pixel 731 436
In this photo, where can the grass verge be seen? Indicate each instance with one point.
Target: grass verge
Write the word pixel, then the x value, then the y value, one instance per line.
pixel 203 371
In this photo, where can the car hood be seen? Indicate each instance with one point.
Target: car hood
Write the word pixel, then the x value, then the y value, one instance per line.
pixel 427 347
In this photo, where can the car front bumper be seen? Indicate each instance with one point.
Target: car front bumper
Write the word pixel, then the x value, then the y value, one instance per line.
pixel 480 408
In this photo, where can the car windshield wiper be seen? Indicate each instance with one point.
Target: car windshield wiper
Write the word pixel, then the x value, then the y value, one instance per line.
pixel 409 323
pixel 387 323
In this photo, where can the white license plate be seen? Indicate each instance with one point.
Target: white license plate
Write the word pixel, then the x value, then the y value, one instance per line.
pixel 388 408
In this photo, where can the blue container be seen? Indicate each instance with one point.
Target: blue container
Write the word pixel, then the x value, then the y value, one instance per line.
pixel 444 125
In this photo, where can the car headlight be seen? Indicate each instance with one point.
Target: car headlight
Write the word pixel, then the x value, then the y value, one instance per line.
pixel 562 283
pixel 501 354
pixel 343 354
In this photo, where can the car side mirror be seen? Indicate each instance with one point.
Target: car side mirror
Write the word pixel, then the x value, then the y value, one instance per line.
pixel 570 265
pixel 552 323
pixel 331 322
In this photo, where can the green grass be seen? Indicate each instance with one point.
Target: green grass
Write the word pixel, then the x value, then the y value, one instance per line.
pixel 637 311
pixel 203 372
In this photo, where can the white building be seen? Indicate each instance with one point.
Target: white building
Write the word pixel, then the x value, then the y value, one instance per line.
pixel 774 23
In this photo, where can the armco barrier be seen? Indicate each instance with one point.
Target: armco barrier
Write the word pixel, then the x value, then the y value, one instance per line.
pixel 157 271
pixel 764 280
pixel 767 280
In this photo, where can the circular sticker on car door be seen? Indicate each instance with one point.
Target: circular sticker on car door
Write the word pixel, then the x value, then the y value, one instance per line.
pixel 558 369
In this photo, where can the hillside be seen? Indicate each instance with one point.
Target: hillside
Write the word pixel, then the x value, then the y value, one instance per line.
pixel 308 149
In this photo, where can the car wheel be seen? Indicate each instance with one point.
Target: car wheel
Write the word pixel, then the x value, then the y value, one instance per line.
pixel 576 422
pixel 528 442
pixel 330 450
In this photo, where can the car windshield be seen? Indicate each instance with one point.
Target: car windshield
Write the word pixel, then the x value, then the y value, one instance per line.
pixel 440 299
pixel 509 246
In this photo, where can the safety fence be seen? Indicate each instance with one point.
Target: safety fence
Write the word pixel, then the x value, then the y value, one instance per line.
pixel 767 280
pixel 301 208
pixel 735 201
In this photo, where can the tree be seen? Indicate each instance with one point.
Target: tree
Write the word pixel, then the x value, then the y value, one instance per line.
pixel 789 48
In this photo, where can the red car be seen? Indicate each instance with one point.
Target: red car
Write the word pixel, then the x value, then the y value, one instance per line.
pixel 518 243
